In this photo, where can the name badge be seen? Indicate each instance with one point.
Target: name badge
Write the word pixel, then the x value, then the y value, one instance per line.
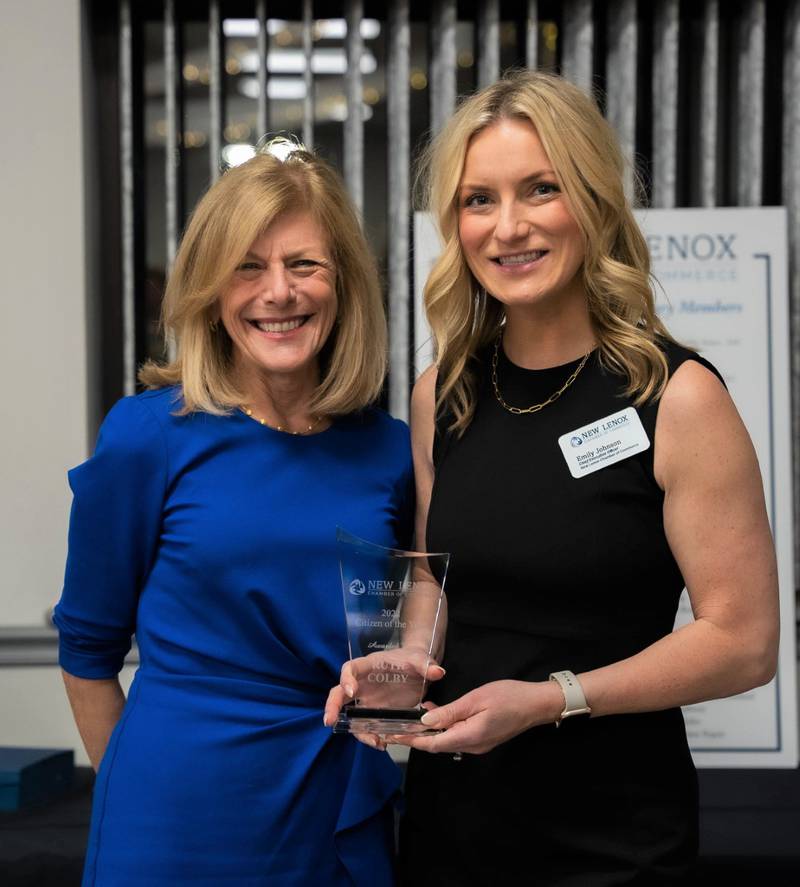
pixel 604 442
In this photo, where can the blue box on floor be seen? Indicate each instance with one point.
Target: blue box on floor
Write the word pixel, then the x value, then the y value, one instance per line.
pixel 33 775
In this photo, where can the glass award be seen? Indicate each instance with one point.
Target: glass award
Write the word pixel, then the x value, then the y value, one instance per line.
pixel 396 614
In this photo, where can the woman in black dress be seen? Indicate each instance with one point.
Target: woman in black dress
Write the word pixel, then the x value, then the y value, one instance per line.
pixel 580 467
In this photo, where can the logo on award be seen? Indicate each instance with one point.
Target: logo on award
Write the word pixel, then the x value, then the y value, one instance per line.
pixel 357 587
pixel 576 441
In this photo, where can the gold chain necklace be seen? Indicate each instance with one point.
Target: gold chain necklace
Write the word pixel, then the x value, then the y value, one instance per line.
pixel 248 412
pixel 519 411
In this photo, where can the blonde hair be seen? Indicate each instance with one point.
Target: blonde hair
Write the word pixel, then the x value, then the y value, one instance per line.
pixel 588 164
pixel 232 214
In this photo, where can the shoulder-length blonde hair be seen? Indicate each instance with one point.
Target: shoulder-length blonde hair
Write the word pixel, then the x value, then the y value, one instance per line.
pixel 588 164
pixel 225 223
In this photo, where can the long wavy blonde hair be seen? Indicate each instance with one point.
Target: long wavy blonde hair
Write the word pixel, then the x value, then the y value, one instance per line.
pixel 232 214
pixel 588 164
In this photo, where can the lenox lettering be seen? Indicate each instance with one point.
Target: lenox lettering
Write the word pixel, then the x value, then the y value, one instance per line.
pixel 684 247
pixel 603 427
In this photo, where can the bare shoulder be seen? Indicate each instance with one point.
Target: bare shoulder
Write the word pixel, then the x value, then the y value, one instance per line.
pixel 698 426
pixel 424 394
pixel 423 401
pixel 692 388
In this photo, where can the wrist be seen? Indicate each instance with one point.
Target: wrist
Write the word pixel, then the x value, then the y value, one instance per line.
pixel 546 703
pixel 556 702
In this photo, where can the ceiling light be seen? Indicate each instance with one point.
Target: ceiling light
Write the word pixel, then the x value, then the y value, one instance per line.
pixel 293 61
pixel 327 28
pixel 279 88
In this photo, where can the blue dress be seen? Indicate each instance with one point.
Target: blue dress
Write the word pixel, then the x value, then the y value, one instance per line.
pixel 213 539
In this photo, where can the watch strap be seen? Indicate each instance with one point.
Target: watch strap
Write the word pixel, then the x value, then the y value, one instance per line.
pixel 574 698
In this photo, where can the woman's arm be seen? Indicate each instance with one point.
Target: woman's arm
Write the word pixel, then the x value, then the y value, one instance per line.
pixel 114 531
pixel 716 525
pixel 423 404
pixel 96 707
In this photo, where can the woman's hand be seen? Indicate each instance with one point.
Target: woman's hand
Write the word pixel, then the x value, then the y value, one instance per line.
pixel 488 716
pixel 384 679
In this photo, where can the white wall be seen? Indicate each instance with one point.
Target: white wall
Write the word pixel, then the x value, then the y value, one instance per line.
pixel 34 711
pixel 43 422
pixel 42 324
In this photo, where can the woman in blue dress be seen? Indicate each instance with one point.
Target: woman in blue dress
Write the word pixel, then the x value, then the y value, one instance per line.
pixel 205 524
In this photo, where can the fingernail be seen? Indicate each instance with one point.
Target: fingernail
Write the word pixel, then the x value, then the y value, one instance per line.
pixel 440 669
pixel 430 719
pixel 349 689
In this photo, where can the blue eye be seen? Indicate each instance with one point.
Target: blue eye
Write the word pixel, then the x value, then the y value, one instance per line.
pixel 476 200
pixel 544 189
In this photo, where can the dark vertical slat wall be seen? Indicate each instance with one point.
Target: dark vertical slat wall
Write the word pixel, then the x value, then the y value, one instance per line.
pixel 128 245
pixel 709 106
pixel 791 199
pixel 622 42
pixel 215 88
pixel 398 106
pixel 172 108
pixel 750 93
pixel 532 35
pixel 354 88
pixel 262 48
pixel 173 113
pixel 578 42
pixel 636 55
pixel 442 62
pixel 488 42
pixel 665 102
pixel 308 74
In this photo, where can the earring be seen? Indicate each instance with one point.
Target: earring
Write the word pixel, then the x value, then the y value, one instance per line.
pixel 212 325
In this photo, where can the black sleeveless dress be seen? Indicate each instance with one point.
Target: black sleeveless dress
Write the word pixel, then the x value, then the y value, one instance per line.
pixel 549 572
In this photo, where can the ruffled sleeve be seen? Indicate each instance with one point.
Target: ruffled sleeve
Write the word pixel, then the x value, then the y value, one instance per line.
pixel 113 535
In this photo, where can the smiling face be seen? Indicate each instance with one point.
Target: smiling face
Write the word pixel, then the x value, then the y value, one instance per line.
pixel 279 306
pixel 517 233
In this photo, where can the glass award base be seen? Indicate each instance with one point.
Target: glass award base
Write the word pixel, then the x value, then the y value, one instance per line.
pixel 382 721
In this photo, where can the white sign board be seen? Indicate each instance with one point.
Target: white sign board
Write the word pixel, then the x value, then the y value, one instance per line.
pixel 724 280
pixel 724 291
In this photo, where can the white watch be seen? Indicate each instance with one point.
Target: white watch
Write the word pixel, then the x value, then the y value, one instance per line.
pixel 574 700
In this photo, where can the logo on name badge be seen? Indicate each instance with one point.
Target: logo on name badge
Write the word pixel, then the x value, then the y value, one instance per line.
pixel 603 442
